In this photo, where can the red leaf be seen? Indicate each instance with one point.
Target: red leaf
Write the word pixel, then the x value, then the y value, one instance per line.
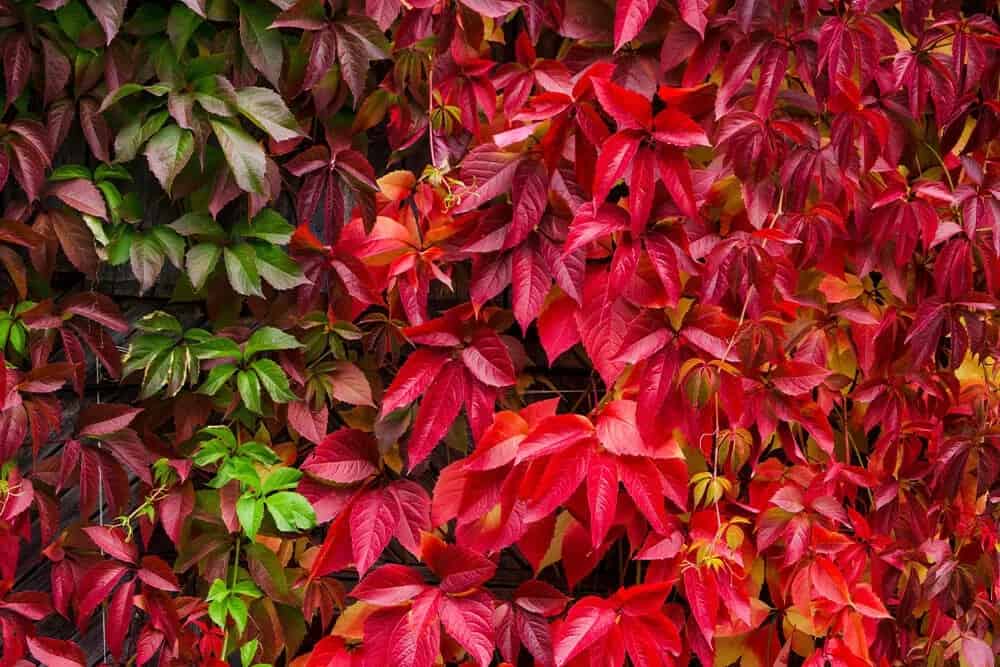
pixel 81 195
pixel 344 456
pixel 693 13
pixel 175 508
pixel 112 541
pixel 119 618
pixel 100 419
pixel 829 582
pixel 530 284
pixel 703 598
pixel 413 507
pixel 864 599
pixel 17 62
pixel 109 14
pixel 530 197
pixel 538 597
pixel 794 378
pixel 468 620
pixel 460 569
pixel 96 307
pixel 96 585
pixel 76 241
pixel 556 326
pixel 56 652
pixel 977 652
pixel 492 8
pixel 613 162
pixel 554 434
pixel 602 496
pixel 641 189
pixel 675 172
pixel 630 17
pixel 310 424
pixel 535 634
pixel 646 486
pixel 413 379
pixel 587 623
pixel 373 521
pixel 630 110
pixel 389 585
pixel 488 359
pixel 438 408
pixel 155 572
pixel 349 384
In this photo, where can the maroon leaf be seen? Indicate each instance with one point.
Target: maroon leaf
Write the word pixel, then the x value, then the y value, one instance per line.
pixel 109 14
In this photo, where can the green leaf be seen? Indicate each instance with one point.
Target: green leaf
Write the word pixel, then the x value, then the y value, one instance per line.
pixel 218 591
pixel 274 380
pixel 277 268
pixel 120 93
pixel 221 433
pixel 157 373
pixel 259 452
pixel 217 347
pixel 200 225
pixel 159 322
pixel 241 267
pixel 113 197
pixel 168 153
pixel 107 172
pixel 147 257
pixel 181 25
pixel 201 260
pixel 250 511
pixel 270 226
pixel 246 588
pixel 210 452
pixel 121 243
pixel 239 469
pixel 281 479
pixel 249 388
pixel 269 339
pixel 217 612
pixel 135 133
pixel 262 45
pixel 265 109
pixel 72 19
pixel 267 571
pixel 68 172
pixel 143 349
pixel 244 154
pixel 291 511
pixel 248 651
pixel 238 610
pixel 217 377
pixel 172 243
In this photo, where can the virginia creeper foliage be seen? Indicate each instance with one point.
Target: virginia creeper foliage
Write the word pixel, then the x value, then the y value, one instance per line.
pixel 478 332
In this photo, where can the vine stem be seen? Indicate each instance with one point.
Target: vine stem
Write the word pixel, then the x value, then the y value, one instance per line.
pixel 232 584
pixel 430 112
pixel 725 356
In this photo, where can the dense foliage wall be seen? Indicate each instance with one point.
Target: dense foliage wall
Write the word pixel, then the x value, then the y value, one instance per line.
pixel 555 332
